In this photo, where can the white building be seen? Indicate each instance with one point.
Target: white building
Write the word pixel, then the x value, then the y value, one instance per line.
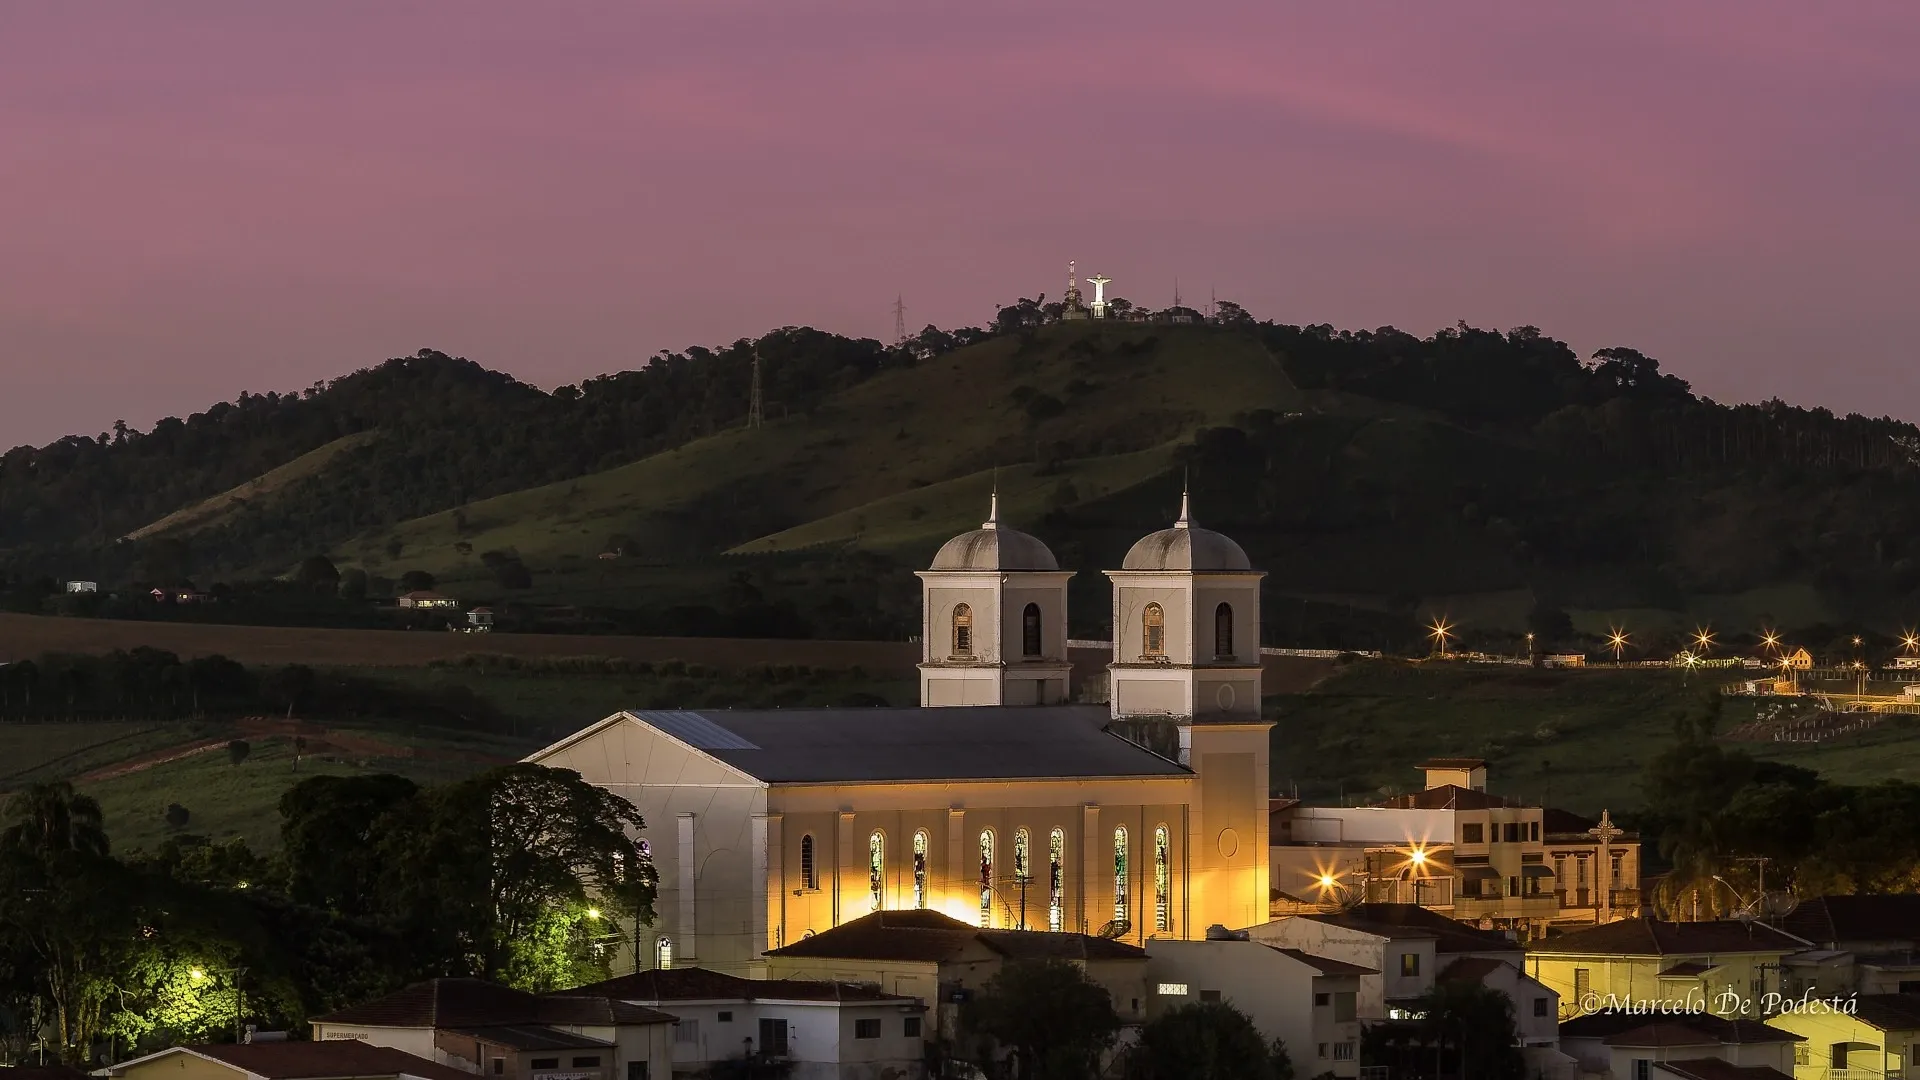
pixel 994 615
pixel 828 1031
pixel 1307 1002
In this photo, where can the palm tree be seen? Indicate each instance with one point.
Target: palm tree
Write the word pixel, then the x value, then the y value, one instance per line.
pixel 49 820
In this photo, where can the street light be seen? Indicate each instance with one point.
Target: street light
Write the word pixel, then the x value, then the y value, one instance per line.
pixel 1440 630
pixel 1703 639
pixel 1769 639
pixel 1617 641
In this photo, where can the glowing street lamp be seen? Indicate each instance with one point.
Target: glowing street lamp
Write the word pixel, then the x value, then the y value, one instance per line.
pixel 1769 639
pixel 593 914
pixel 1703 639
pixel 1617 641
pixel 1910 641
pixel 1440 631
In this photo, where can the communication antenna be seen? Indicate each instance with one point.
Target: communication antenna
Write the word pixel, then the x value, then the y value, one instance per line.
pixel 899 320
pixel 755 410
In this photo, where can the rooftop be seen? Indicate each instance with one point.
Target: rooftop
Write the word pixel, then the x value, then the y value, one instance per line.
pixel 1889 1012
pixel 1186 547
pixel 1704 1028
pixel 1834 919
pixel 469 1004
pixel 314 1060
pixel 701 984
pixel 860 745
pixel 1651 937
pixel 1325 966
pixel 1448 797
pixel 1412 920
pixel 931 937
pixel 1717 1069
pixel 1453 763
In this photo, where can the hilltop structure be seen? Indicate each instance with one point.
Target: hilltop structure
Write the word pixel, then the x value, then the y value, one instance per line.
pixel 996 802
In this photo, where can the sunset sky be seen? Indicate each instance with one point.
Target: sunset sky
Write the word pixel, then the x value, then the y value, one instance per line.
pixel 202 198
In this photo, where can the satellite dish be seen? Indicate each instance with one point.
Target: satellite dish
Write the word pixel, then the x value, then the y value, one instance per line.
pixel 1777 905
pixel 1116 929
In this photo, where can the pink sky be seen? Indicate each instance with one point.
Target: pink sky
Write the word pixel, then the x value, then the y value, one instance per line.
pixel 202 198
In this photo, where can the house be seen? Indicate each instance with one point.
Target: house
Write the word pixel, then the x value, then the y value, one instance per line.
pixel 1451 847
pixel 824 1030
pixel 480 620
pixel 1726 967
pixel 1596 878
pixel 1536 1008
pixel 1622 1045
pixel 83 586
pixel 1309 1003
pixel 481 1027
pixel 1861 944
pixel 179 594
pixel 1405 945
pixel 1865 1035
pixel 427 600
pixel 335 1060
pixel 941 960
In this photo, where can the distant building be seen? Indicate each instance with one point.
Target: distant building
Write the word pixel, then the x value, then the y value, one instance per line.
pixel 1879 1038
pixel 83 586
pixel 480 620
pixel 1860 944
pixel 1800 660
pixel 179 594
pixel 1720 964
pixel 428 600
pixel 1695 1046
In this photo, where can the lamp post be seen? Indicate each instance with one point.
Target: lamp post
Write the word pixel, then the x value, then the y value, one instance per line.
pixel 198 975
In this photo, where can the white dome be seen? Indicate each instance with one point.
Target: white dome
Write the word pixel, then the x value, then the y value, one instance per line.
pixel 994 547
pixel 1185 548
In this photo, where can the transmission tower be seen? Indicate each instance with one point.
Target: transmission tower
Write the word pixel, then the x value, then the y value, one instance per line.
pixel 755 413
pixel 899 320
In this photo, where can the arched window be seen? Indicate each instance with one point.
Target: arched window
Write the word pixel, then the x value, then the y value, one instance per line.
pixel 920 869
pixel 1223 630
pixel 1057 880
pixel 663 953
pixel 1162 882
pixel 1120 868
pixel 1030 631
pixel 1153 626
pixel 962 630
pixel 809 878
pixel 986 877
pixel 1022 870
pixel 877 868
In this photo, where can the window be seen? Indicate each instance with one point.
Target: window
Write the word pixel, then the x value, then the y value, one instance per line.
pixel 1472 834
pixel 590 1061
pixel 1323 1051
pixel 1642 1069
pixel 1343 1051
pixel 1120 874
pixel 920 842
pixel 1560 870
pixel 1223 630
pixel 1580 869
pixel 1030 630
pixel 1513 886
pixel 545 1063
pixel 726 1017
pixel 962 630
pixel 1209 996
pixel 1321 1001
pixel 1056 880
pixel 1162 882
pixel 1533 831
pixel 499 1066
pixel 912 1027
pixel 663 953
pixel 809 877
pixel 773 1037
pixel 1153 626
pixel 1539 1006
pixel 867 1029
pixel 1512 832
pixel 1582 981
pixel 1613 872
pixel 637 1070
pixel 986 874
pixel 877 868
pixel 1409 964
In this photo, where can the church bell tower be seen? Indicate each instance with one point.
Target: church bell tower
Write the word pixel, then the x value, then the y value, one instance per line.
pixel 993 620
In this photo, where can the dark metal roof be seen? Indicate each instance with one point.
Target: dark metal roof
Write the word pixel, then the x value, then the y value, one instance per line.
pixel 473 1004
pixel 333 1058
pixel 1889 1012
pixel 522 1037
pixel 815 746
pixel 701 984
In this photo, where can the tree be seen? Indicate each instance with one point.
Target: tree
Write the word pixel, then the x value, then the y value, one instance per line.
pixel 1054 1022
pixel 353 584
pixel 1465 1029
pixel 1207 1041
pixel 1228 313
pixel 416 581
pixel 547 844
pixel 317 574
pixel 238 749
pixel 331 832
pixel 177 816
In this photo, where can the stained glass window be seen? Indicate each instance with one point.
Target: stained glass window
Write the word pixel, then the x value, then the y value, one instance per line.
pixel 877 868
pixel 920 869
pixel 1056 880
pixel 986 877
pixel 1120 905
pixel 1153 624
pixel 1162 882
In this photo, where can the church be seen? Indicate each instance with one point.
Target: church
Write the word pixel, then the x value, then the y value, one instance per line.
pixel 996 801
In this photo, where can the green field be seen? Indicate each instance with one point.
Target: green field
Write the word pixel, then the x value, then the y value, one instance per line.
pixel 1576 739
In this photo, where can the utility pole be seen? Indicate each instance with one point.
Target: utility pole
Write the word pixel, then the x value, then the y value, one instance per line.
pixel 755 407
pixel 899 320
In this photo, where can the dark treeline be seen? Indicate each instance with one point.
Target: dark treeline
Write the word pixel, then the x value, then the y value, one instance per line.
pixel 152 684
pixel 522 874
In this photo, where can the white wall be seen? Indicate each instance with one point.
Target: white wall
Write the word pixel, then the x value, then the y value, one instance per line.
pixel 416 1041
pixel 1358 947
pixel 1273 989
pixel 820 1036
pixel 1372 825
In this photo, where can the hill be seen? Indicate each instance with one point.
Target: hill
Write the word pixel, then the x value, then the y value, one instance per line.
pixel 1381 479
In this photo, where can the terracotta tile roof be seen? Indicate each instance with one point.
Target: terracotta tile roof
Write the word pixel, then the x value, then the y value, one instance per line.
pixel 1890 1012
pixel 1705 1028
pixel 1412 920
pixel 1717 1069
pixel 932 937
pixel 467 1004
pixel 317 1060
pixel 1451 763
pixel 700 984
pixel 1651 937
pixel 525 1037
pixel 1830 920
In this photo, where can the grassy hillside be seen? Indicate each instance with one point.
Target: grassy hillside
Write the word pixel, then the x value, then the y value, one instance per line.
pixel 1122 394
pixel 238 499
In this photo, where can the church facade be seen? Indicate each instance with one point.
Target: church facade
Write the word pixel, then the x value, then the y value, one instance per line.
pixel 995 802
